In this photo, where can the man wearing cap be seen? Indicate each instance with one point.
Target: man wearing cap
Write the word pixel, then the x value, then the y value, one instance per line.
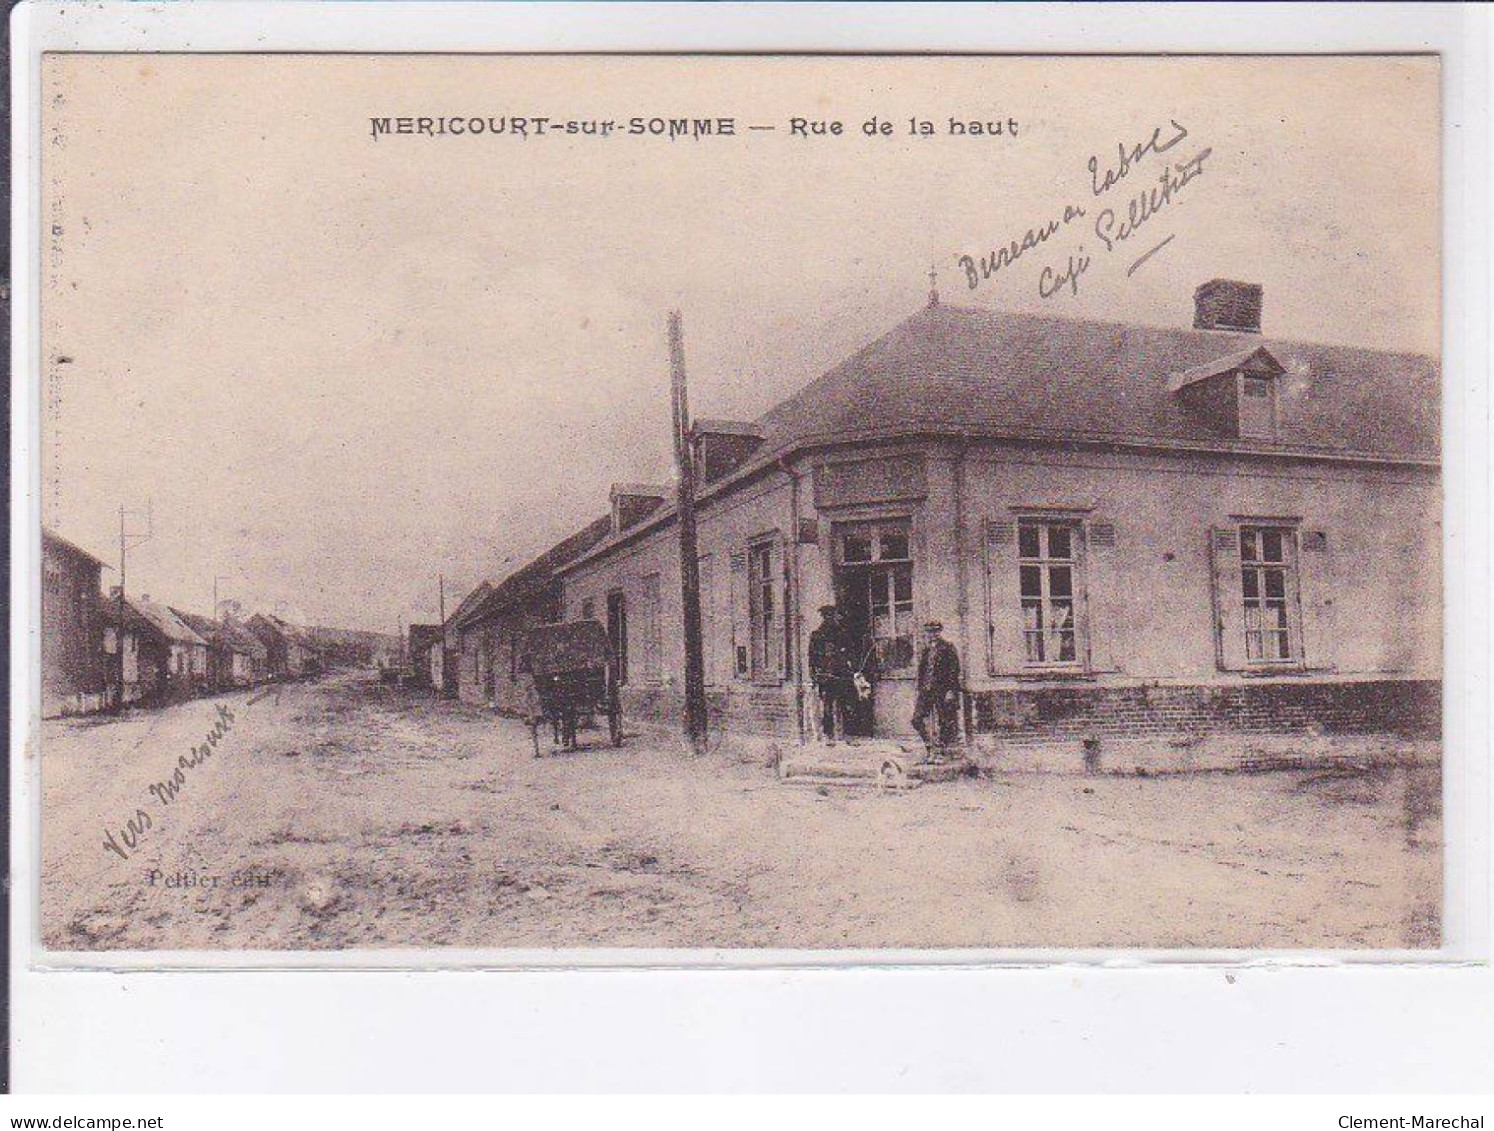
pixel 938 690
pixel 830 669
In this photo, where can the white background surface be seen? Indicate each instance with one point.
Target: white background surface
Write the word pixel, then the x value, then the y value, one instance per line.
pixel 1310 1024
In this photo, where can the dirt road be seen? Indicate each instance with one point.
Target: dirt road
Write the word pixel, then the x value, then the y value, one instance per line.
pixel 347 814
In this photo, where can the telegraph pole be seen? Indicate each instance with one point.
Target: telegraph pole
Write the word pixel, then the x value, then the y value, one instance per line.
pixel 119 622
pixel 441 596
pixel 119 605
pixel 684 458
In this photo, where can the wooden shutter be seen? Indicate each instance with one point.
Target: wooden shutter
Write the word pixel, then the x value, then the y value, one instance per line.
pixel 1104 620
pixel 1314 569
pixel 1229 599
pixel 738 606
pixel 779 565
pixel 710 620
pixel 1005 648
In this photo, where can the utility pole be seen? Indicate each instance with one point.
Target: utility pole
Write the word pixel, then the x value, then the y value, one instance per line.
pixel 441 597
pixel 119 620
pixel 684 458
pixel 125 544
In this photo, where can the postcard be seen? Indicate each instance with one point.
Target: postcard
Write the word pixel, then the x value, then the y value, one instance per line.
pixel 740 503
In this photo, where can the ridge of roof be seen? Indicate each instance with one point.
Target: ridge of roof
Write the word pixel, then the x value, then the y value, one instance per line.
pixel 529 580
pixel 51 535
pixel 167 622
pixel 924 377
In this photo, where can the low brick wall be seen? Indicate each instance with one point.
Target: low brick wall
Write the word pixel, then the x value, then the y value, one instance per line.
pixel 750 710
pixel 1412 708
pixel 1162 728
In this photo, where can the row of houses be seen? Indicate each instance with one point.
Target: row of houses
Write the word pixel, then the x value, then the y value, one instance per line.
pixel 101 650
pixel 1123 528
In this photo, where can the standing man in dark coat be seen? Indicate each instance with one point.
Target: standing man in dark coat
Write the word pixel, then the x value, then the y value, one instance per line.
pixel 830 669
pixel 938 691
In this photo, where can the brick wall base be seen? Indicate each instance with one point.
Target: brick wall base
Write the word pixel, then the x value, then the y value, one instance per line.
pixel 1412 708
pixel 749 710
pixel 1159 729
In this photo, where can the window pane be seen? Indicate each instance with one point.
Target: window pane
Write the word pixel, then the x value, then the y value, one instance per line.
pixel 1252 645
pixel 1247 546
pixel 902 620
pixel 1276 614
pixel 1275 582
pixel 1027 540
pixel 1250 582
pixel 902 585
pixel 1032 581
pixel 894 544
pixel 856 548
pixel 1032 615
pixel 1034 647
pixel 1060 542
pixel 894 653
pixel 1271 546
pixel 1061 614
pixel 1061 581
pixel 1256 387
pixel 1066 647
pixel 1283 648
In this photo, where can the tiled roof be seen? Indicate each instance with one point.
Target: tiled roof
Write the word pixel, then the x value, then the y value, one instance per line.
pixel 960 371
pixel 240 639
pixel 469 605
pixel 72 548
pixel 224 634
pixel 965 371
pixel 166 622
pixel 534 579
pixel 292 632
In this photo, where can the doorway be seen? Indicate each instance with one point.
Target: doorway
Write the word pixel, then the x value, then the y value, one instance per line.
pixel 874 589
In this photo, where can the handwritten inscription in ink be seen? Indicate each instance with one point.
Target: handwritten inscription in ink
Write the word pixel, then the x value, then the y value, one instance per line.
pixel 1112 225
pixel 133 831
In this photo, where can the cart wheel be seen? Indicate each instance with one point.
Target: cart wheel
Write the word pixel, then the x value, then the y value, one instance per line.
pixel 615 725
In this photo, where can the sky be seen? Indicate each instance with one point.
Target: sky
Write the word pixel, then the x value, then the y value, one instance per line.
pixel 340 365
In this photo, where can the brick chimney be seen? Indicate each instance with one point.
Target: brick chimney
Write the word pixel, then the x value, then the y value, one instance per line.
pixel 1224 304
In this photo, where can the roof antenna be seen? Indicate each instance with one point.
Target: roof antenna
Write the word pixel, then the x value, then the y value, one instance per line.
pixel 933 285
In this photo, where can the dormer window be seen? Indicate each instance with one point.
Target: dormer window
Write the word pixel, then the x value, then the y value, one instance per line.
pixel 722 446
pixel 1235 394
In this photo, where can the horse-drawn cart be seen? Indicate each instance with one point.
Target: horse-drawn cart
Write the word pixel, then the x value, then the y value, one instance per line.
pixel 574 681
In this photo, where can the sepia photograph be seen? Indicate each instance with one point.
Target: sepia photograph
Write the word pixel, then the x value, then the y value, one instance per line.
pixel 747 503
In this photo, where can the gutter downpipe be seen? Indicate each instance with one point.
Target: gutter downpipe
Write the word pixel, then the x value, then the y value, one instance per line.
pixel 794 592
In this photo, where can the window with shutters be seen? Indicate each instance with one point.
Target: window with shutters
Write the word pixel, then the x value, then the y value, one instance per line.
pixel 1048 580
pixel 1268 594
pixel 740 653
pixel 711 628
pixel 763 610
pixel 652 637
